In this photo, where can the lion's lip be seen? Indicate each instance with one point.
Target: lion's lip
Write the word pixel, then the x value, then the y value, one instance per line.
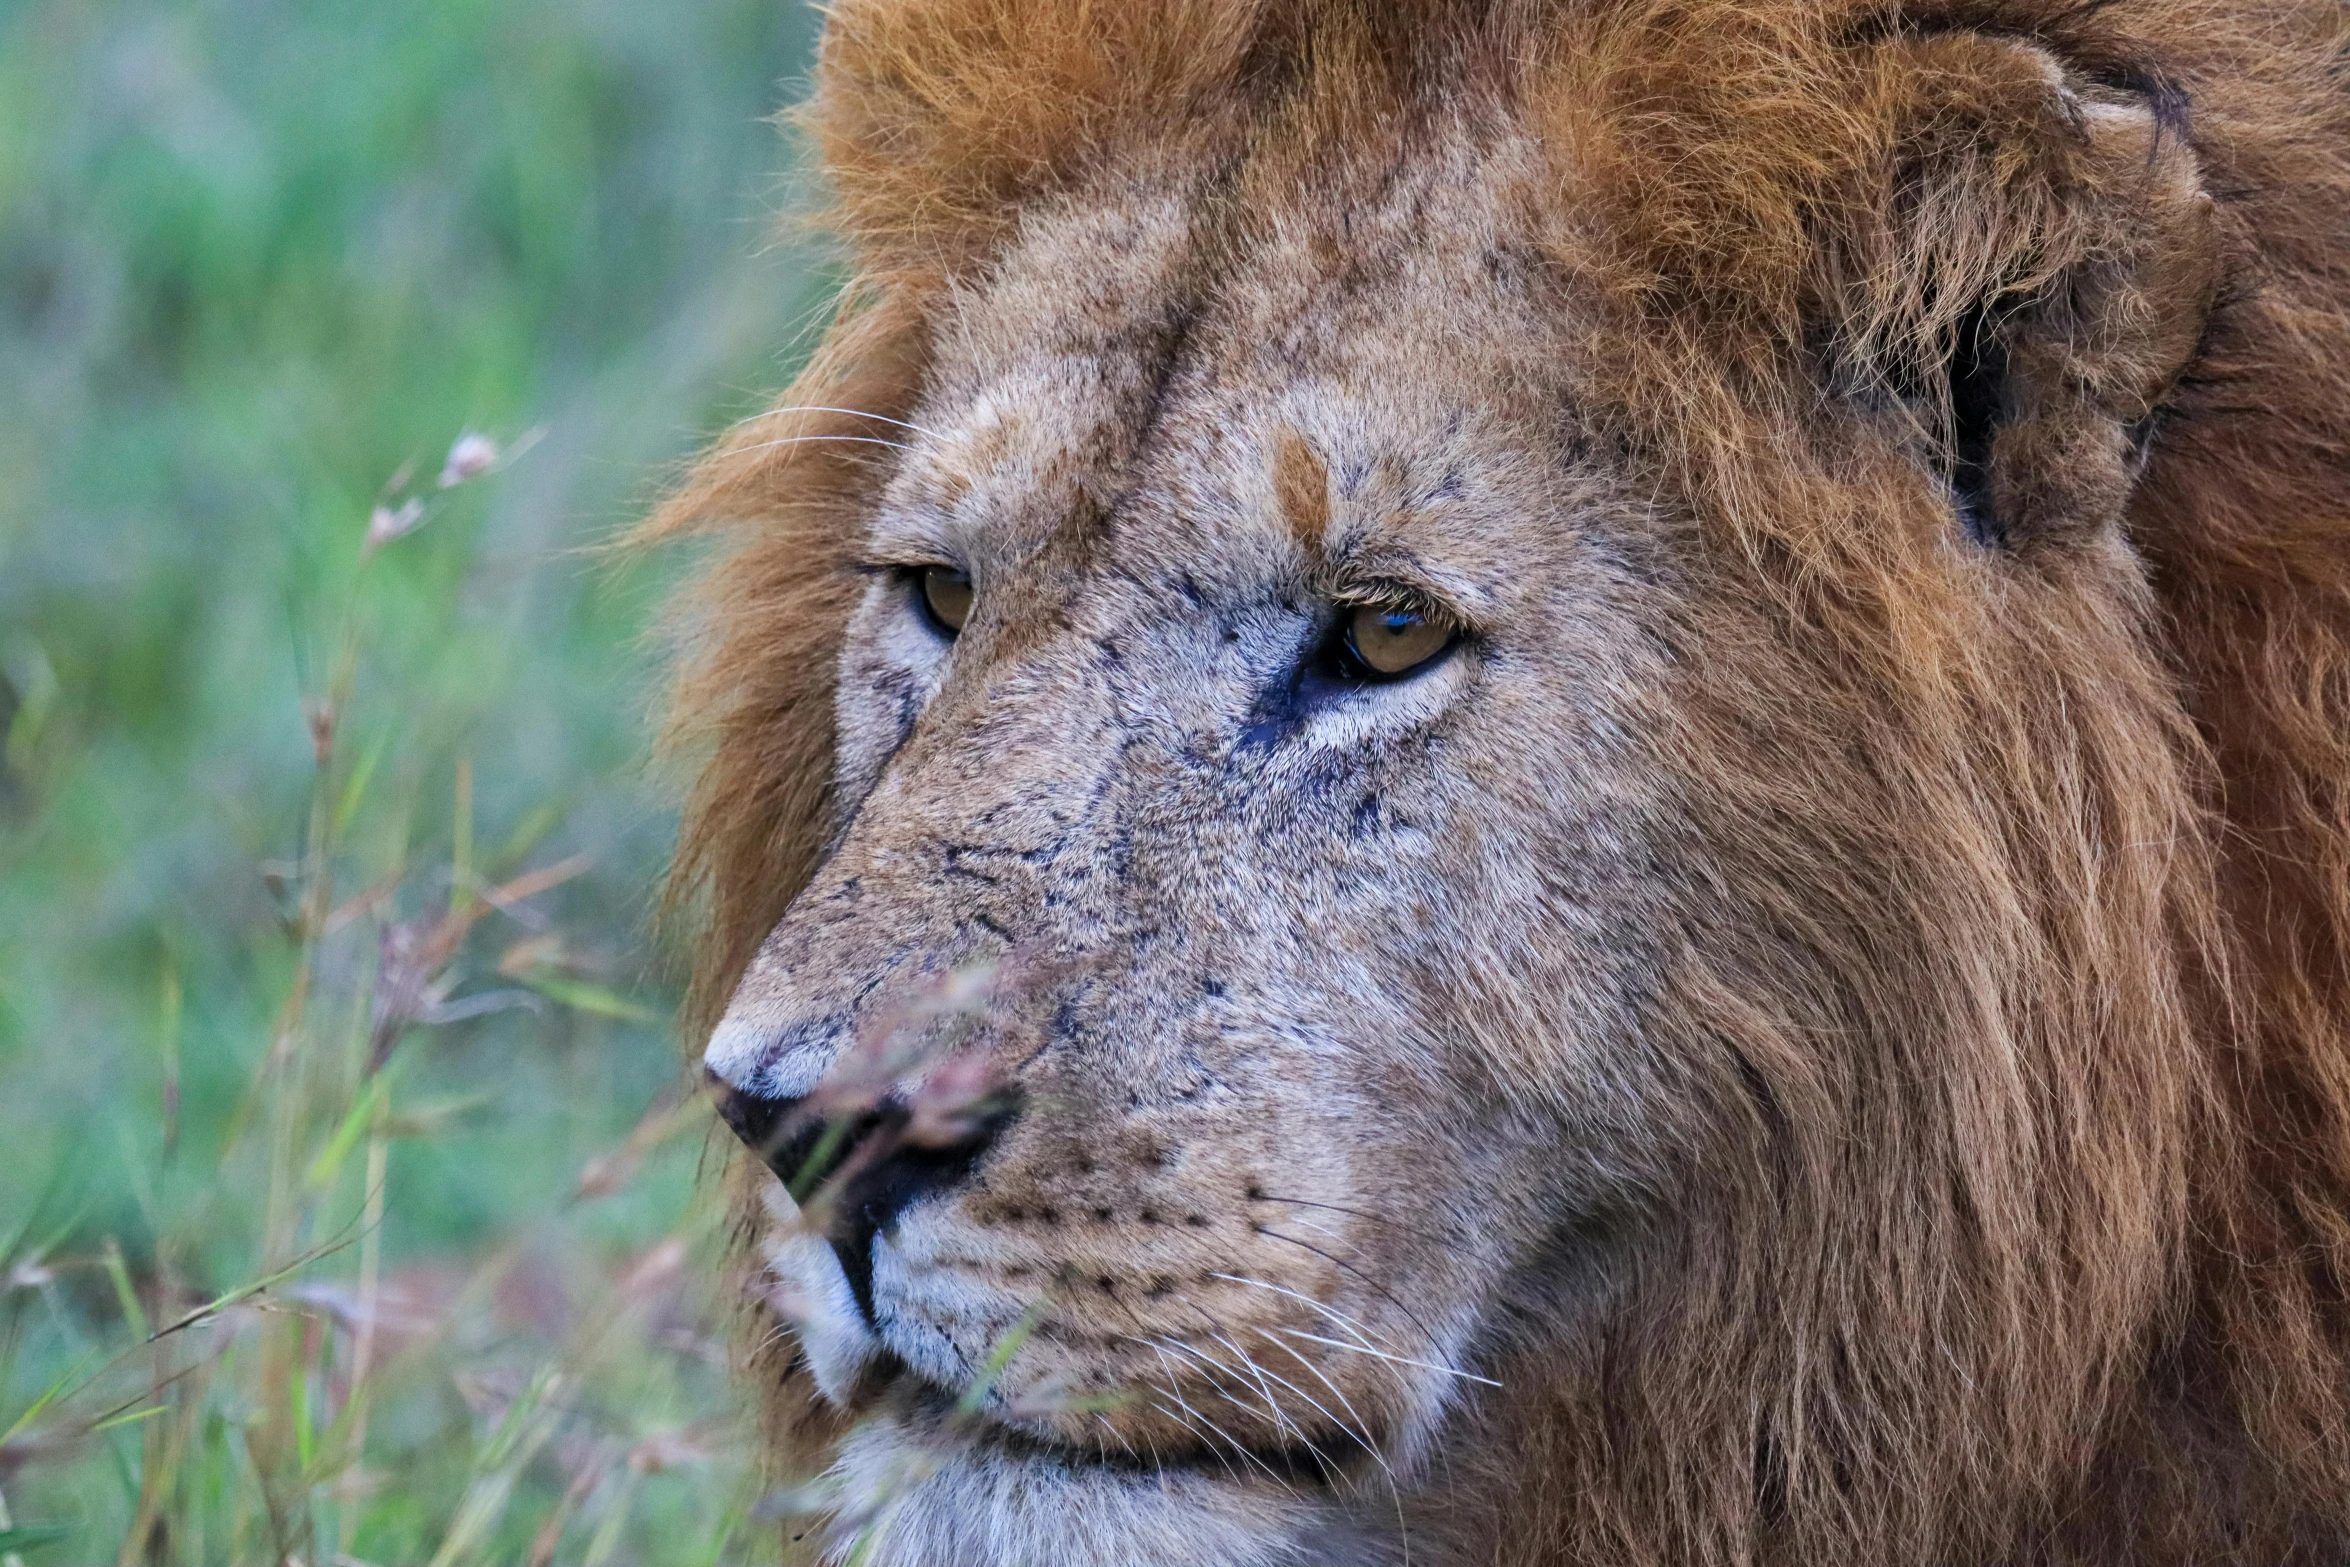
pixel 891 1387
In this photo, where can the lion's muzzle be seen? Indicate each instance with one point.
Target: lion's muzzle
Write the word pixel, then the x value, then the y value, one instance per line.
pixel 868 1164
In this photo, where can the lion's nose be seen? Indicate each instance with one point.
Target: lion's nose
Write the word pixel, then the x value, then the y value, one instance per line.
pixel 869 1167
pixel 890 1154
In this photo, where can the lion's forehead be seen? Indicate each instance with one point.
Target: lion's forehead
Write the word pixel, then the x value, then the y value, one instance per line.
pixel 1142 349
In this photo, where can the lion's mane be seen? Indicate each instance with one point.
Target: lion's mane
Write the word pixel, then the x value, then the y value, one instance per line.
pixel 2122 1333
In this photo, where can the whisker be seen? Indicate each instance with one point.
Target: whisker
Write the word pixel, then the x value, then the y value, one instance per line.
pixel 1435 1341
pixel 1172 1391
pixel 797 440
pixel 1403 1528
pixel 854 413
pixel 1401 1360
pixel 1335 1391
pixel 1283 1424
pixel 1158 1459
pixel 1280 1419
pixel 1104 1421
pixel 1258 1373
pixel 1357 1437
pixel 1359 1430
pixel 1264 1383
pixel 1205 1439
pixel 1237 1446
pixel 1159 1347
pixel 1369 1218
pixel 1216 1383
pixel 1332 1312
pixel 1320 1228
pixel 1169 1388
pixel 1217 1330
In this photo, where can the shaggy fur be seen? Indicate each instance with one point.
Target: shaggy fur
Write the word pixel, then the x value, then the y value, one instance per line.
pixel 1864 924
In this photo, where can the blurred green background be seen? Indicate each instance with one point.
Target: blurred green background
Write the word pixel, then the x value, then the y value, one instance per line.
pixel 257 259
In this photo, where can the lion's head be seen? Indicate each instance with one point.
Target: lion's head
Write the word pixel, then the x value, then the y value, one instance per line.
pixel 1552 781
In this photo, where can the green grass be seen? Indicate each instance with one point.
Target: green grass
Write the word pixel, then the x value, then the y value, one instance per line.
pixel 257 260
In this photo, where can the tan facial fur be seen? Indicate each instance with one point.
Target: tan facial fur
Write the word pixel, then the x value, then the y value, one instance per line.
pixel 1771 1046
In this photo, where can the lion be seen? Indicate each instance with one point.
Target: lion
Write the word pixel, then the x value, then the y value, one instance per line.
pixel 1566 781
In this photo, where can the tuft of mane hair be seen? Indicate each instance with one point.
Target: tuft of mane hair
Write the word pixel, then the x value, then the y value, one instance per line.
pixel 1756 192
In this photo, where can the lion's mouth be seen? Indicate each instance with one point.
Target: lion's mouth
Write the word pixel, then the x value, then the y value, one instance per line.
pixel 891 1389
pixel 897 1346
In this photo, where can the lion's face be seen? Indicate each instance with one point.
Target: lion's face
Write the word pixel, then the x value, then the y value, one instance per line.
pixel 1424 883
pixel 1322 988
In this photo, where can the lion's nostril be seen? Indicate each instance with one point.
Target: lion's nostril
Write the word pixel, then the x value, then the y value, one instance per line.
pixel 760 1122
pixel 877 1170
pixel 780 1136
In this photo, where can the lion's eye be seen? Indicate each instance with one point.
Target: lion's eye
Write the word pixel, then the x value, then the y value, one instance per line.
pixel 1391 642
pixel 946 593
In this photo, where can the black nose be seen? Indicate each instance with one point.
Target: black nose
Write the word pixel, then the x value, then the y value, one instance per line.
pixel 882 1161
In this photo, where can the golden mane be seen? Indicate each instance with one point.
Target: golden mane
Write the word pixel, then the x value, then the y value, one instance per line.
pixel 2144 1355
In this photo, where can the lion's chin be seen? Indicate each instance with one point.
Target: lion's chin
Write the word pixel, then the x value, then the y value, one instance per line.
pixel 917 1485
pixel 914 1497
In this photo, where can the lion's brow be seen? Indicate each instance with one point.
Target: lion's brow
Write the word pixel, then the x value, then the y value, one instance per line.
pixel 1301 490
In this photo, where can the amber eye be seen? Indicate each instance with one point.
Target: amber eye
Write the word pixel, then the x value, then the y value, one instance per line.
pixel 946 593
pixel 1392 641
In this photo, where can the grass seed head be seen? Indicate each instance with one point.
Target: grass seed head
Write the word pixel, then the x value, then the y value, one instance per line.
pixel 473 455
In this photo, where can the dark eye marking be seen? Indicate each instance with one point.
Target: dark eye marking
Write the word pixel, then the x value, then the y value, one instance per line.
pixel 1359 646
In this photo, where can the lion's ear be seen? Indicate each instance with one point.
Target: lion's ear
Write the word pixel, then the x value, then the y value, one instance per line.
pixel 2049 260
